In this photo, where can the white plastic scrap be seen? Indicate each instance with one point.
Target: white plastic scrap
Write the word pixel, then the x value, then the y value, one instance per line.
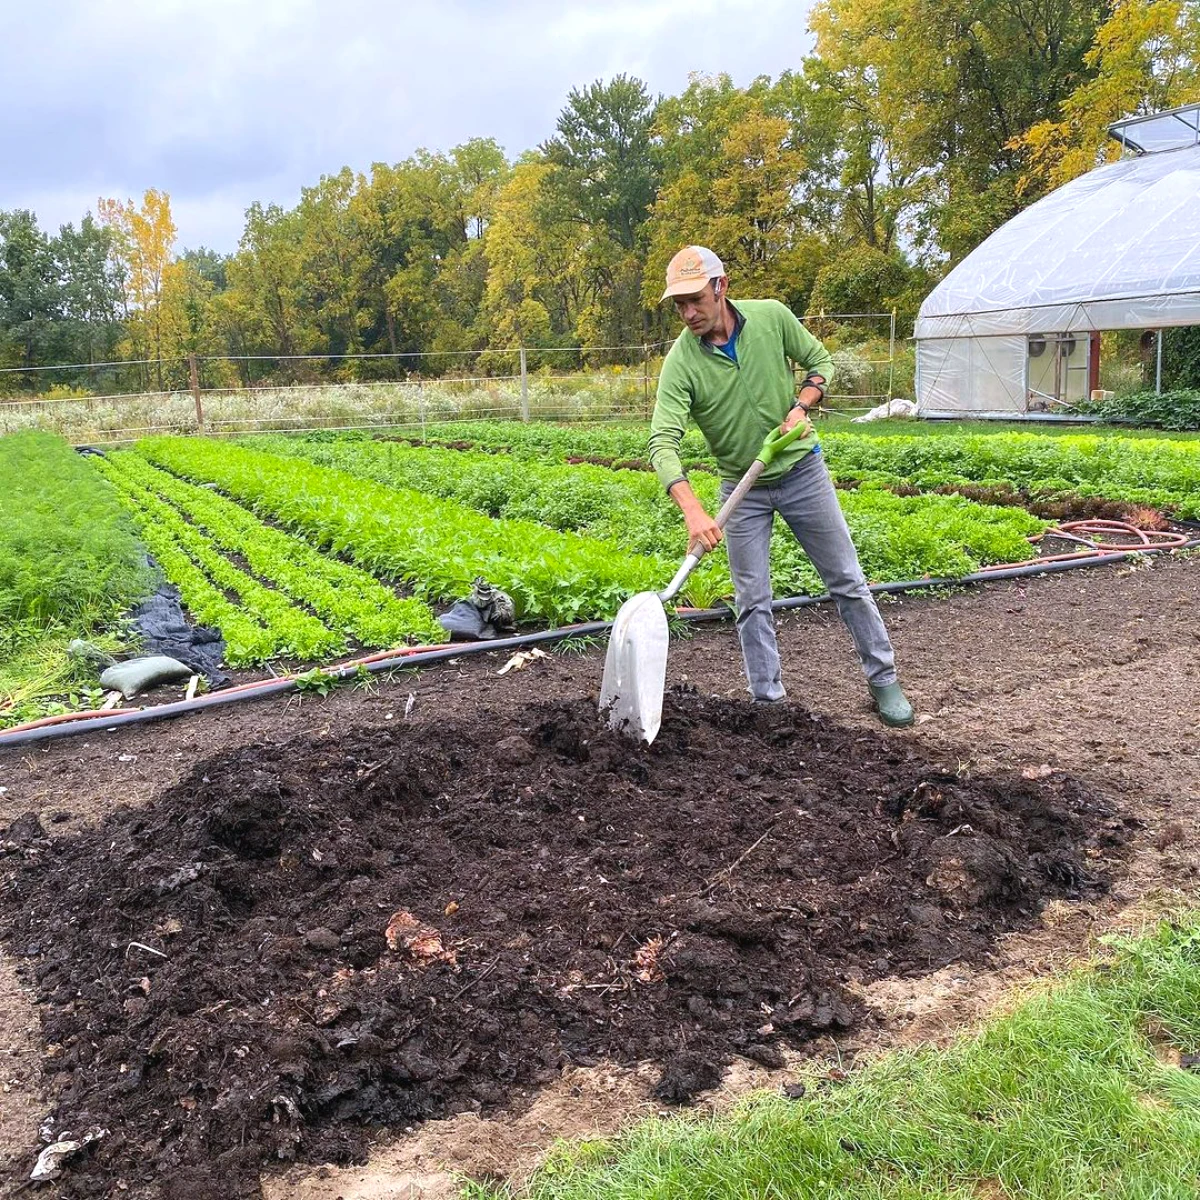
pixel 521 659
pixel 49 1163
pixel 890 408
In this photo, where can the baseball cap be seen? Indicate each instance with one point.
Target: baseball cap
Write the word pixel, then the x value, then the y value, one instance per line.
pixel 690 270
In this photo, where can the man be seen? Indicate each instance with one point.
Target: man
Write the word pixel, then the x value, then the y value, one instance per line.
pixel 731 372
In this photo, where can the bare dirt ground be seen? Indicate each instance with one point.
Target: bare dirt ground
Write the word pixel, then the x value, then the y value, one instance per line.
pixel 1092 675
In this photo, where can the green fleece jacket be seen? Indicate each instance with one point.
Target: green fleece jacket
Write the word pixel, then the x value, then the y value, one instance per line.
pixel 737 404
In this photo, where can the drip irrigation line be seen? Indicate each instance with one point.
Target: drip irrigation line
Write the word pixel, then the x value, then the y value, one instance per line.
pixel 417 656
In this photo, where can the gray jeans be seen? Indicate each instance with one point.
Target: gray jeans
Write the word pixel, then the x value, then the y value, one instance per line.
pixel 806 500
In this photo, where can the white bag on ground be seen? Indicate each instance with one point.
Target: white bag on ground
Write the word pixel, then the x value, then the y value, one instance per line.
pixel 889 408
pixel 137 674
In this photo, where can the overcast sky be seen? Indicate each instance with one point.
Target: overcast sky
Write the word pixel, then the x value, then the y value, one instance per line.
pixel 224 102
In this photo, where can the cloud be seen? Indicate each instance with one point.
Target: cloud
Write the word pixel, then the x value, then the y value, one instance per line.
pixel 233 101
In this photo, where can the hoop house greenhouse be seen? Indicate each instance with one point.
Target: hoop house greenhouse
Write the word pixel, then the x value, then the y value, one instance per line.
pixel 1014 329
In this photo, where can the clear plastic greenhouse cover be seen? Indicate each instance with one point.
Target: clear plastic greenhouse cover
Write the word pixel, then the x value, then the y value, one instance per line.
pixel 1117 248
pixel 1170 130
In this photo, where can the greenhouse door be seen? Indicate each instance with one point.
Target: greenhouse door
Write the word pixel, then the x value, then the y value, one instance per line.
pixel 1058 370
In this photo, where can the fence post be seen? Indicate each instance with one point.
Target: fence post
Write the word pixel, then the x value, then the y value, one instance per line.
pixel 524 388
pixel 194 372
pixel 891 356
pixel 1158 341
pixel 421 407
pixel 646 378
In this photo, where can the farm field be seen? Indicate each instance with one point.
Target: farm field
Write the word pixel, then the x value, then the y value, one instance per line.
pixel 440 900
pixel 301 550
pixel 334 861
pixel 1055 717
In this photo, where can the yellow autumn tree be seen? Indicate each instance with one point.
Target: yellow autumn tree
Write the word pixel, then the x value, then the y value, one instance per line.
pixel 1146 57
pixel 190 323
pixel 143 239
pixel 535 286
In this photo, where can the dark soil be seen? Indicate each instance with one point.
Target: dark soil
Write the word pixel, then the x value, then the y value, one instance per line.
pixel 386 925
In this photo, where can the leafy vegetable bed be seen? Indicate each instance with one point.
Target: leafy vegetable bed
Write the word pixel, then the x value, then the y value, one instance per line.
pixel 69 566
pixel 436 547
pixel 349 600
pixel 898 537
pixel 1161 473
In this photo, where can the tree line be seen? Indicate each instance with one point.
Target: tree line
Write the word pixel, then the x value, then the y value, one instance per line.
pixel 849 184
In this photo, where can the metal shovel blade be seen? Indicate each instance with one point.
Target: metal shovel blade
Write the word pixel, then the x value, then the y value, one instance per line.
pixel 635 671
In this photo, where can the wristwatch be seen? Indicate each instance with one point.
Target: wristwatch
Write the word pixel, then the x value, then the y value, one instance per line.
pixel 817 383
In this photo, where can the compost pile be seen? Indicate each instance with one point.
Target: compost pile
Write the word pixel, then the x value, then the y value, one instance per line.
pixel 302 941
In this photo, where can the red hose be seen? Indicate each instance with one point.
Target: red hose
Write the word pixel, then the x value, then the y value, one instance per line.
pixel 1089 533
pixel 63 718
pixel 398 652
pixel 250 686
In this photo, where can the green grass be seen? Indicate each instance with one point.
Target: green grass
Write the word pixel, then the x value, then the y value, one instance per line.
pixel 1065 1098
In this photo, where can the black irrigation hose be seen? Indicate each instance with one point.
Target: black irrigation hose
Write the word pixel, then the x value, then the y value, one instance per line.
pixel 103 724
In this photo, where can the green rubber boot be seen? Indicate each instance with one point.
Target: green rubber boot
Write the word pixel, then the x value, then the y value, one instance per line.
pixel 894 709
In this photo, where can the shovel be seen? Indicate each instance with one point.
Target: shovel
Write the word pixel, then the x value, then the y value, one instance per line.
pixel 635 671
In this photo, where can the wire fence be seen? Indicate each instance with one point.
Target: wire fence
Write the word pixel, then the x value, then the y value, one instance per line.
pixel 521 383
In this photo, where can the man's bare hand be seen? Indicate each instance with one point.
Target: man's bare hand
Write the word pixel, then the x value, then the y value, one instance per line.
pixel 702 530
pixel 797 417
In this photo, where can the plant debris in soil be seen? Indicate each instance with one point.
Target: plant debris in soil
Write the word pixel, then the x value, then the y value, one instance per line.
pixel 300 942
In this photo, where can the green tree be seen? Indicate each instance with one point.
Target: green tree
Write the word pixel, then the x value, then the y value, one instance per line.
pixel 30 294
pixel 410 220
pixel 603 149
pixel 876 181
pixel 264 310
pixel 90 325
pixel 944 89
pixel 479 170
pixel 330 265
pixel 737 178
pixel 209 265
pixel 862 279
pixel 605 180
